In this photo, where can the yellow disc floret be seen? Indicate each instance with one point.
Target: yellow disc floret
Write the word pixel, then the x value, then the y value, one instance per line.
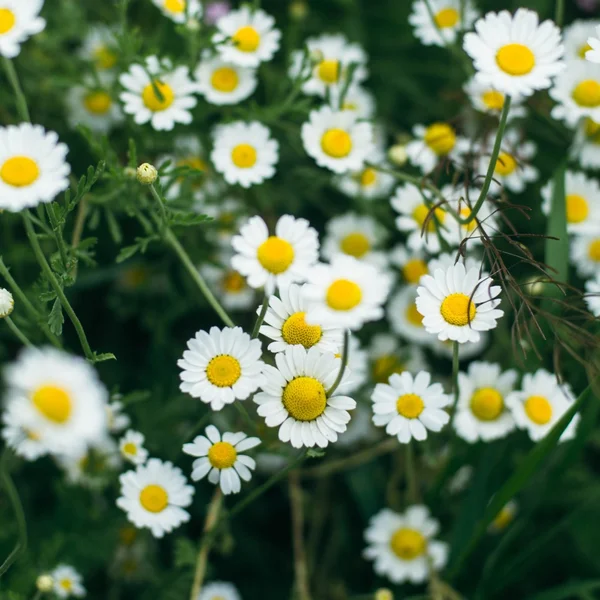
pixel 98 103
pixel 538 409
pixel 587 93
pixel 328 71
pixel 224 79
pixel 414 269
pixel 246 39
pixel 222 455
pixel 515 59
pixel 154 498
pixel 440 137
pixel 447 17
pixel 577 208
pixel 304 398
pixel 336 143
pixel 53 402
pixel 410 405
pixel 158 96
pixel 275 255
pixel 505 164
pixel 355 244
pixel 343 294
pixel 487 404
pixel 458 309
pixel 594 250
pixel 244 156
pixel 7 20
pixel 223 370
pixel 493 100
pixel 408 544
pixel 19 171
pixel 295 331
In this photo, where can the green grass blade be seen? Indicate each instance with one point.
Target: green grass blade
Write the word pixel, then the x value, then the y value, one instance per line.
pixel 568 591
pixel 557 250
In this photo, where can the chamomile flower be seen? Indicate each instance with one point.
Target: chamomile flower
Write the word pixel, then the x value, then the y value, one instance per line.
pixel 337 140
pixel 434 143
pixel 388 357
pixel 154 496
pixel 222 82
pixel 295 398
pixel 592 295
pixel 358 366
pixel 100 47
pixel 117 420
pixel 218 590
pixel 67 582
pixel 486 99
pixel 593 53
pixel 246 37
pixel 361 101
pixel 447 21
pixel 158 93
pixel 404 317
pixel 221 366
pixel 275 260
pixel 131 446
pixel 285 324
pixel 33 167
pixel 575 37
pixel 178 11
pixel 346 293
pixel 93 106
pixel 244 153
pixel 412 265
pixel 577 93
pixel 505 517
pixel 585 254
pixel 221 458
pixel 540 404
pixel 402 545
pixel 230 287
pixel 586 144
pixel 18 22
pixel 7 303
pixel 481 411
pixel 446 259
pixel 57 397
pixel 515 53
pixel 367 182
pixel 457 304
pixel 25 442
pixel 355 235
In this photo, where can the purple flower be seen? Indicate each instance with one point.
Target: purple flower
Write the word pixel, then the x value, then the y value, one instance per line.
pixel 216 10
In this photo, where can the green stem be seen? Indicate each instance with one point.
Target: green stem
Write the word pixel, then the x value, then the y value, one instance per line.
pixel 39 254
pixel 261 317
pixel 560 12
pixel 13 78
pixel 412 488
pixel 58 236
pixel 345 352
pixel 161 205
pixel 455 368
pixel 18 333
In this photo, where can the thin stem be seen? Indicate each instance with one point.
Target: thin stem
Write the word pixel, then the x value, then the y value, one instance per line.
pixel 161 205
pixel 261 317
pixel 340 376
pixel 37 250
pixel 58 236
pixel 300 564
pixel 560 12
pixel 18 333
pixel 412 488
pixel 455 368
pixel 13 78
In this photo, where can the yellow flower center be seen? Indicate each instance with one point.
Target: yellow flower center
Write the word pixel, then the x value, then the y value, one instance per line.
pixel 329 71
pixel 246 39
pixel 515 59
pixel 244 156
pixel 295 331
pixel 410 406
pixel 343 294
pixel 19 171
pixel 336 143
pixel 493 100
pixel 594 250
pixel 66 584
pixel 275 255
pixel 592 130
pixel 224 79
pixel 440 137
pixel 98 103
pixel 7 20
pixel 465 212
pixel 154 498
pixel 505 164
pixel 414 269
pixel 368 177
pixel 421 214
pixel 105 58
pixel 577 208
pixel 458 309
pixel 130 448
pixel 223 370
pixel 222 455
pixel 538 409
pixel 385 366
pixel 587 93
pixel 581 52
pixel 447 17
pixel 487 404
pixel 304 398
pixel 152 101
pixel 413 316
pixel 53 402
pixel 233 282
pixel 355 244
pixel 408 544
pixel 174 6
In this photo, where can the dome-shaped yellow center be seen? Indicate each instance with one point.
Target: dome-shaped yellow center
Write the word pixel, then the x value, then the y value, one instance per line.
pixel 336 143
pixel 421 214
pixel 130 448
pixel 413 316
pixel 328 71
pixel 487 404
pixel 440 137
pixel 538 409
pixel 577 208
pixel 66 584
pixel 233 282
pixel 410 406
pixel 355 244
pixel 98 103
pixel 408 544
pixel 53 402
pixel 447 17
pixel 104 57
pixel 154 498
pixel 385 366
pixel 275 255
pixel 246 39
pixel 414 269
pixel 505 164
pixel 368 177
pixel 458 309
pixel 19 171
pixel 222 455
pixel 515 59
pixel 587 93
pixel 343 294
pixel 161 101
pixel 174 6
pixel 493 100
pixel 7 20
pixel 223 370
pixel 224 79
pixel 304 398
pixel 594 250
pixel 296 332
pixel 244 156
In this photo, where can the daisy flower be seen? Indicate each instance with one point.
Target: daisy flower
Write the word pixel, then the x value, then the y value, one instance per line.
pixel 131 446
pixel 93 106
pixel 67 582
pixel 229 286
pixel 25 442
pixel 577 93
pixel 481 413
pixel 515 53
pixel 361 101
pixel 412 265
pixel 586 145
pixel 505 517
pixel 285 324
pixel 295 398
pixel 486 99
pixel 218 590
pixel 159 93
pixel 100 47
pixel 33 167
pixel 585 254
pixel 593 53
pixel 575 38
pixel 446 23
pixel 346 293
pixel 358 366
pixel 540 404
pixel 336 140
pixel 222 82
pixel 7 303
pixel 404 317
pixel 18 21
pixel 275 260
pixel 466 351
pixel 117 420
pixel 178 11
pixel 244 153
pixel 367 182
pixel 355 235
pixel 446 259
pixel 592 296
pixel 246 37
pixel 221 366
pixel 221 458
pixel 457 304
pixel 154 496
pixel 433 143
pixel 402 545
pixel 57 397
pixel 387 357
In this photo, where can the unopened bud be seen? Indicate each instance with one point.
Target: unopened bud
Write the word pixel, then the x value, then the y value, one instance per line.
pixel 397 155
pixel 298 10
pixel 384 594
pixel 6 303
pixel 193 24
pixel 130 172
pixel 147 174
pixel 44 583
pixel 534 286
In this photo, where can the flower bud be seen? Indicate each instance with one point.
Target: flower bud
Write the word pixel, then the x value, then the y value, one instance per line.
pixel 397 155
pixel 147 174
pixel 44 583
pixel 384 594
pixel 6 303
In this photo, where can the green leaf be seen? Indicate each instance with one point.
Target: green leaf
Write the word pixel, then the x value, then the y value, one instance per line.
pixel 141 245
pixel 48 296
pixel 184 553
pixel 567 591
pixel 56 318
pixel 104 356
pixel 557 250
pixel 185 218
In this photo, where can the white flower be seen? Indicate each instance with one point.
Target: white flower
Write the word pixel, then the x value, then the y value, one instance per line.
pixel 25 442
pixel 466 351
pixel 18 21
pixel 58 398
pixel 246 37
pixel 576 38
pixel 295 398
pixel 592 296
pixel 177 10
pixel 275 260
pixel 218 590
pixel 223 82
pixel 221 458
pixel 408 406
pixel 230 287
pixel 593 54
pixel 577 93
pixel 164 109
pixel 446 23
pixel 404 317
pixel 434 143
pixel 33 166
pixel 116 418
pixel 411 263
pixel 244 153
pixel 7 303
pixel 132 448
pixel 358 366
pixel 355 235
pixel 285 324
pixel 582 202
pixel 487 99
pixel 221 366
pixel 446 259
pixel 100 47
pixel 388 357
pixel 585 254
pixel 540 404
pixel 367 183
pixel 67 582
pixel 402 545
pixel 336 140
pixel 457 304
pixel 516 54
pixel 481 411
pixel 586 145
pixel 346 293
pixel 93 106
pixel 361 101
